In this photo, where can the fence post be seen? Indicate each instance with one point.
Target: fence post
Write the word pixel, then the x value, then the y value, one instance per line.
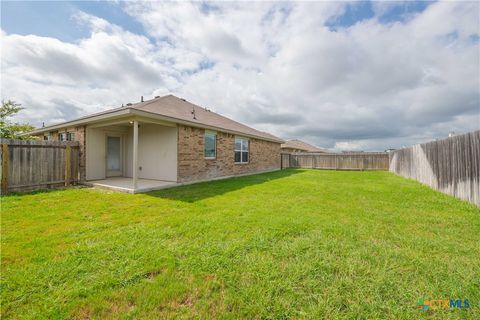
pixel 68 167
pixel 5 156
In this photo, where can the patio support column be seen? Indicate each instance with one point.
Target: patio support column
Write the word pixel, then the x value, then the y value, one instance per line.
pixel 135 154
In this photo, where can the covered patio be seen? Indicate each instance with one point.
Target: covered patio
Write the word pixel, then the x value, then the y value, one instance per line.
pixel 131 155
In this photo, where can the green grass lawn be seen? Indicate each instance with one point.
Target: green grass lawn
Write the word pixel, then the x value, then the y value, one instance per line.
pixel 290 244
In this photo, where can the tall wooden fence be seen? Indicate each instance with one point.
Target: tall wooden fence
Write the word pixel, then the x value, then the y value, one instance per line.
pixel 336 161
pixel 28 165
pixel 450 165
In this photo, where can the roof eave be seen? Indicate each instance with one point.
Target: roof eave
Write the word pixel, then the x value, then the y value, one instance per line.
pixel 132 111
pixel 85 120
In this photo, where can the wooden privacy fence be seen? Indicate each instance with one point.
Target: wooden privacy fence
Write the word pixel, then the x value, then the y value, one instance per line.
pixel 450 165
pixel 336 161
pixel 28 165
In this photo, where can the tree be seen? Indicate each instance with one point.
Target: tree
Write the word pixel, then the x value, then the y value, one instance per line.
pixel 11 130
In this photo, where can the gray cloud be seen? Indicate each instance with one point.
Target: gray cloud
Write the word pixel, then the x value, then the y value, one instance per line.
pixel 272 117
pixel 274 66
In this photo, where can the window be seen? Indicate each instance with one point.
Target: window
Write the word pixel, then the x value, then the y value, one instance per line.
pixel 241 150
pixel 62 136
pixel 46 138
pixel 71 136
pixel 210 145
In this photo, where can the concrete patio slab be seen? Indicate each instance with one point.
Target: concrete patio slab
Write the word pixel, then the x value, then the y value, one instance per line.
pixel 125 184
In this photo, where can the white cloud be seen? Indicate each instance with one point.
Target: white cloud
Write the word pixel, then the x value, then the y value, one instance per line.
pixel 57 81
pixel 275 66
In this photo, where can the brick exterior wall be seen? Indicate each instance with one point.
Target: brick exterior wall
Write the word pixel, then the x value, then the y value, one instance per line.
pixel 192 165
pixel 80 136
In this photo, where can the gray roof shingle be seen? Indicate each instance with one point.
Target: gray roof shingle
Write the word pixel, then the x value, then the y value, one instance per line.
pixel 301 145
pixel 177 108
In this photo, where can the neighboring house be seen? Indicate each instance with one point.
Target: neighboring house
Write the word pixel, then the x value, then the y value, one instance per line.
pixel 295 145
pixel 166 139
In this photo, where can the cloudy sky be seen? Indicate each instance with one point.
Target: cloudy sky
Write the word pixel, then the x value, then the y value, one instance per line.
pixel 341 75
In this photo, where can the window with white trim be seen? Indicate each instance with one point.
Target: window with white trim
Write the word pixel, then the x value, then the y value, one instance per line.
pixel 210 145
pixel 241 150
pixel 62 136
pixel 70 136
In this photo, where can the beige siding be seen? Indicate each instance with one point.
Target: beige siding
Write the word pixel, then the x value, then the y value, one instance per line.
pixel 96 149
pixel 157 152
pixel 96 153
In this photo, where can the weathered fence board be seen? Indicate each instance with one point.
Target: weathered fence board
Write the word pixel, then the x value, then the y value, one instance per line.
pixel 31 164
pixel 450 165
pixel 336 161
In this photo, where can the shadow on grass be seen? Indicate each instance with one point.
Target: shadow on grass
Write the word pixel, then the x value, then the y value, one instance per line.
pixel 203 190
pixel 42 190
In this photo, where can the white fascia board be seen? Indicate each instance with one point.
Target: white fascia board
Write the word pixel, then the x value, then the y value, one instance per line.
pixel 89 119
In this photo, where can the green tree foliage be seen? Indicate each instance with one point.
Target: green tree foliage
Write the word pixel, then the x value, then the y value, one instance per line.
pixel 9 129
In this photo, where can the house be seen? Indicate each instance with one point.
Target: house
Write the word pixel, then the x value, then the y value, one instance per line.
pixel 163 142
pixel 295 145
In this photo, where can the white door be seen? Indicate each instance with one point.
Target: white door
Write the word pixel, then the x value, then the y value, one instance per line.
pixel 114 156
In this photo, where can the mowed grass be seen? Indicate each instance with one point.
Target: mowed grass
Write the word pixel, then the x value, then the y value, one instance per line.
pixel 290 244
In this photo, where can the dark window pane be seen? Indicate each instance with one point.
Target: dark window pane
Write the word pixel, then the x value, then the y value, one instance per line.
pixel 245 145
pixel 244 156
pixel 238 144
pixel 209 153
pixel 237 156
pixel 210 145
